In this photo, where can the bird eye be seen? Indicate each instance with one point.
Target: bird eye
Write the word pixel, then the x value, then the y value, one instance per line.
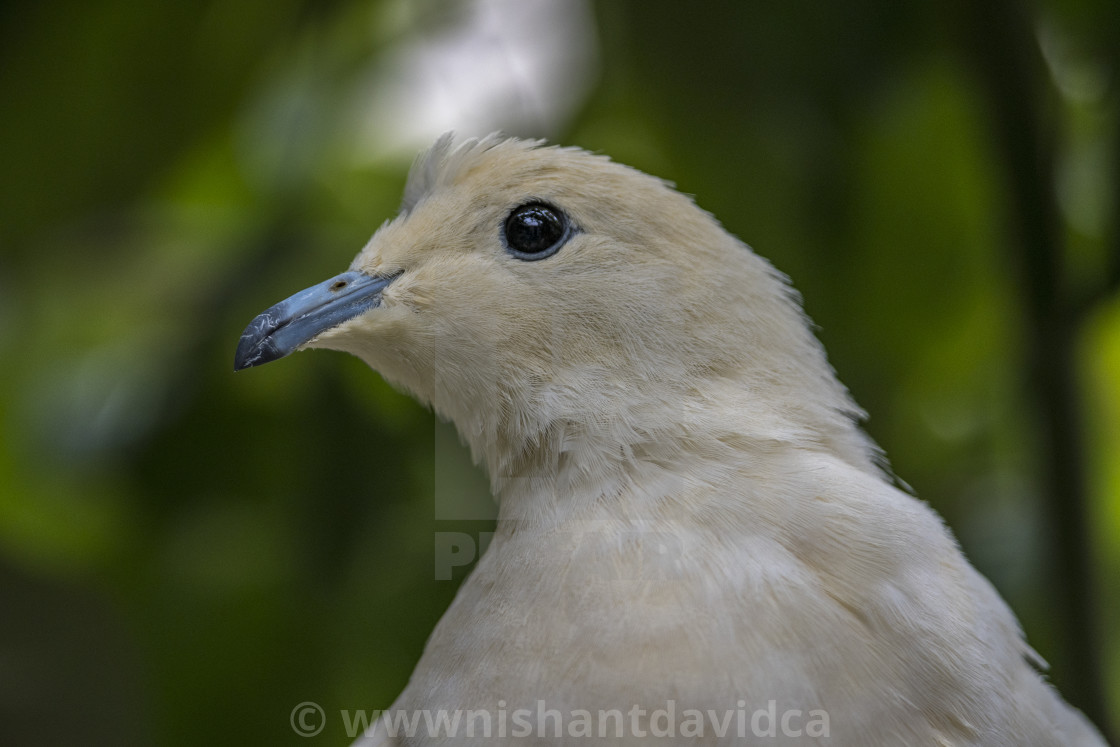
pixel 536 231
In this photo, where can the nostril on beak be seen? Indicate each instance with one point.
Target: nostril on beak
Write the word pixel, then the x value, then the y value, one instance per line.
pixel 338 285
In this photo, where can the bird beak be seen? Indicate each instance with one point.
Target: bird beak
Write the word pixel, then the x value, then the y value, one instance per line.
pixel 282 328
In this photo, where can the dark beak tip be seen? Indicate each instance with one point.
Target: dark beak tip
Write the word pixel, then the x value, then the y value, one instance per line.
pixel 253 350
pixel 241 361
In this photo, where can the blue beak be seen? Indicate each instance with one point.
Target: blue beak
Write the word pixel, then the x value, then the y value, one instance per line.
pixel 282 328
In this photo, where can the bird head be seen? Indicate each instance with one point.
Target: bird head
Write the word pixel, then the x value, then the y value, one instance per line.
pixel 557 306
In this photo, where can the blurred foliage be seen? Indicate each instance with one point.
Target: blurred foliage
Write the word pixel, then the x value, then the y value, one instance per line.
pixel 186 554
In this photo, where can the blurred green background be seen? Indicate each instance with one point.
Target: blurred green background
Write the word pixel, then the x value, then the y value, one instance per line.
pixel 186 554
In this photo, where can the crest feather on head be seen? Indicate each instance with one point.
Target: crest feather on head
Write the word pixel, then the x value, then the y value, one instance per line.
pixel 442 163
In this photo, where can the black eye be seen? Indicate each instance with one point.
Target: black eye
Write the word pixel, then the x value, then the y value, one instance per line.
pixel 536 231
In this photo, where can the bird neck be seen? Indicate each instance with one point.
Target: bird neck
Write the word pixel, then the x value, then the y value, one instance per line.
pixel 610 453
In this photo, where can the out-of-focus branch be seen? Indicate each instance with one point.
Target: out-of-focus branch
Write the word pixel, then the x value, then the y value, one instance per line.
pixel 1000 47
pixel 1108 282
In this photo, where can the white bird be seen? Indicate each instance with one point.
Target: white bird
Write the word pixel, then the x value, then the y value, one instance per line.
pixel 693 530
